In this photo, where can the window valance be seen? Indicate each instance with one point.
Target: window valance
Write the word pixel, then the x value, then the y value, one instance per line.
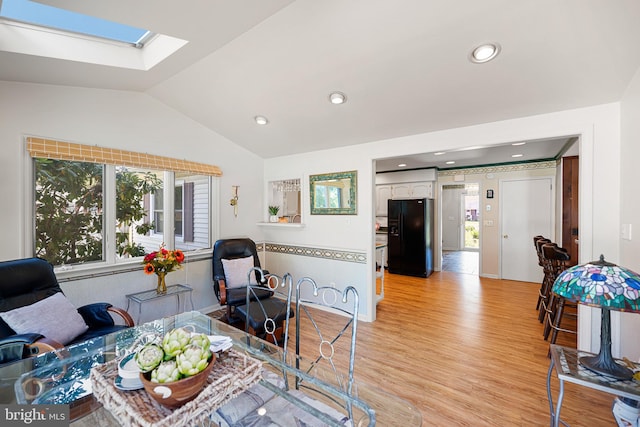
pixel 60 150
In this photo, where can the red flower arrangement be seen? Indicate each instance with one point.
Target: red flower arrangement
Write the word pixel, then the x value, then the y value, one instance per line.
pixel 163 261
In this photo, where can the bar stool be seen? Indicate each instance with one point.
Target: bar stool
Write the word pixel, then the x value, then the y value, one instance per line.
pixel 557 258
pixel 547 281
pixel 538 248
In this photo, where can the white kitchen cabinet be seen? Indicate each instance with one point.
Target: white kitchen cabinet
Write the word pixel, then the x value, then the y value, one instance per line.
pixel 422 190
pixel 383 193
pixel 401 191
pixel 412 190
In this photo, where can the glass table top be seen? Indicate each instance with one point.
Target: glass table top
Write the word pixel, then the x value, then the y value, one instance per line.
pixel 63 377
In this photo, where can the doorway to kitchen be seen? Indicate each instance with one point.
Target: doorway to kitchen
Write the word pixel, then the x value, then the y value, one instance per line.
pixel 461 228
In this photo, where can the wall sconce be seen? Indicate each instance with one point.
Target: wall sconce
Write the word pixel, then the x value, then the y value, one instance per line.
pixel 234 200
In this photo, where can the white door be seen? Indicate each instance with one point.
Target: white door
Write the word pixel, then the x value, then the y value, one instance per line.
pixel 452 236
pixel 526 210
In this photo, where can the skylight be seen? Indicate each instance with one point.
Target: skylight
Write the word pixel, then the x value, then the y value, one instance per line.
pixel 32 28
pixel 52 17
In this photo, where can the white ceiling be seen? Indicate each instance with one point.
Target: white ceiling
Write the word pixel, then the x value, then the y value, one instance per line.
pixel 527 151
pixel 403 64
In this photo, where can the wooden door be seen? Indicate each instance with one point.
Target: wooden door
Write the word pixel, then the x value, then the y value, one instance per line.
pixel 570 229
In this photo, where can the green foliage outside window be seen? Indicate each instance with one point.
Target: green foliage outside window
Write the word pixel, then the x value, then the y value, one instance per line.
pixel 131 188
pixel 69 210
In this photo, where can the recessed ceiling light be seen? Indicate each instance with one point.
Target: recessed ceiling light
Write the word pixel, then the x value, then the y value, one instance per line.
pixel 516 155
pixel 518 143
pixel 401 165
pixel 475 147
pixel 337 98
pixel 439 153
pixel 450 162
pixel 484 53
pixel 261 120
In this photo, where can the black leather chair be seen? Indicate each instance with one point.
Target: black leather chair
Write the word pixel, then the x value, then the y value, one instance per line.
pixel 268 318
pixel 26 281
pixel 230 249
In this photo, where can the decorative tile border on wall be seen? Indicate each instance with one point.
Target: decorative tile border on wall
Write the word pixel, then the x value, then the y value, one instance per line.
pixel 499 168
pixel 357 257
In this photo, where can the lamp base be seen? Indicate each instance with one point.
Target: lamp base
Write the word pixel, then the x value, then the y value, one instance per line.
pixel 609 367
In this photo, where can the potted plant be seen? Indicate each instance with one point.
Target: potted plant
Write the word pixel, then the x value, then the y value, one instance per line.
pixel 273 213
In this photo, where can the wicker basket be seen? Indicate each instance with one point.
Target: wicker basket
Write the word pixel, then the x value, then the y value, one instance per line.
pixel 232 373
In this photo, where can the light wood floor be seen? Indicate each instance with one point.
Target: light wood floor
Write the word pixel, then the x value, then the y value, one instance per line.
pixel 468 351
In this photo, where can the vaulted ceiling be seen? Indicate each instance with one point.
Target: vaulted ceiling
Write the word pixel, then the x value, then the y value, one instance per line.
pixel 402 64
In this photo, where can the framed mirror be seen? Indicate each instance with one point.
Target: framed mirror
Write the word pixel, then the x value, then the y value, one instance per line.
pixel 334 193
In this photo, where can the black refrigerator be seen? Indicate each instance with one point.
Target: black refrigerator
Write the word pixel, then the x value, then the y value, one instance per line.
pixel 410 237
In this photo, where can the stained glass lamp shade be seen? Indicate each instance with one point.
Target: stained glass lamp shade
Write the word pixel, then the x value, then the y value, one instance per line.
pixel 605 285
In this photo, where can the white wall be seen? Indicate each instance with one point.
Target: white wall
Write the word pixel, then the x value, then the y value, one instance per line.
pixel 125 120
pixel 334 232
pixel 599 131
pixel 137 122
pixel 491 236
pixel 630 204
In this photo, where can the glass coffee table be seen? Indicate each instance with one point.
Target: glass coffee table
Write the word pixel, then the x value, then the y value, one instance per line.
pixel 64 377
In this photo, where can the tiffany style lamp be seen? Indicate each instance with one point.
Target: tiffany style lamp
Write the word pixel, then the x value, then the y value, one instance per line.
pixel 610 287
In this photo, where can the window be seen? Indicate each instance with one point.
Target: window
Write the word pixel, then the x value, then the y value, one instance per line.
pixel 133 187
pixel 61 19
pixel 158 211
pixel 192 223
pixel 33 28
pixel 75 199
pixel 178 210
pixel 329 196
pixel 69 211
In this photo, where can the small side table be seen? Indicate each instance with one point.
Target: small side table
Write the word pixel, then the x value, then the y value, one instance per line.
pixel 567 368
pixel 172 291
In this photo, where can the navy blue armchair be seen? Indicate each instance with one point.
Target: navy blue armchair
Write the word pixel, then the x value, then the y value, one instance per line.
pixel 24 282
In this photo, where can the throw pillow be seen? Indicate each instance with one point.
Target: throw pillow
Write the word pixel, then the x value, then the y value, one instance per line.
pixel 54 317
pixel 235 272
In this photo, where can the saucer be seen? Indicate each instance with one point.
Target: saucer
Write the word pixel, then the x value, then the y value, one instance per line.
pixel 128 384
pixel 128 368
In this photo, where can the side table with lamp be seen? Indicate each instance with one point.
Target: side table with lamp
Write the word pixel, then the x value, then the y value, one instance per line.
pixel 610 287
